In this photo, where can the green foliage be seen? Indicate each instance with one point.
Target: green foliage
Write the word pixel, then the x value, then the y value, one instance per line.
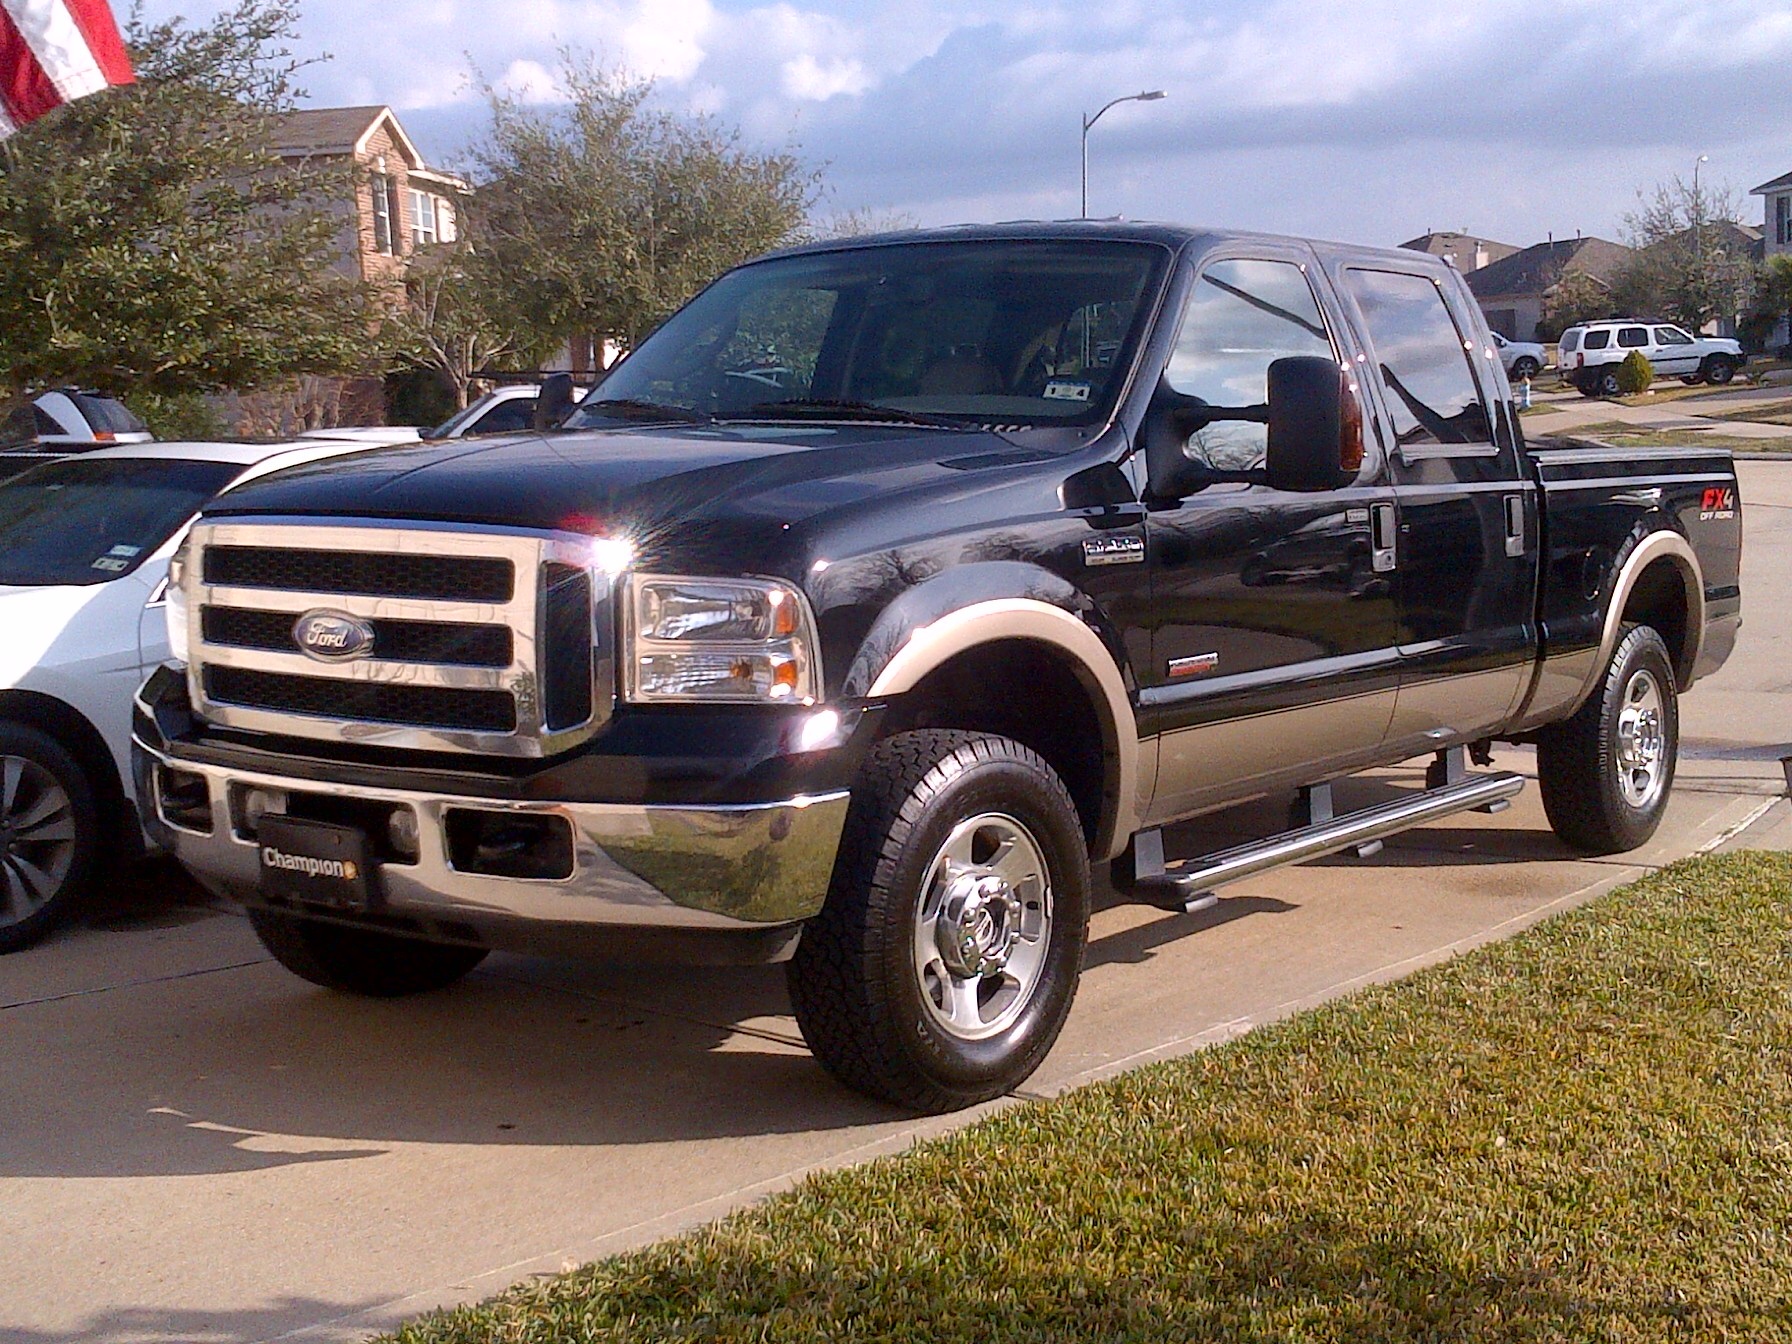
pixel 1773 298
pixel 1636 374
pixel 462 315
pixel 1574 298
pixel 151 239
pixel 602 215
pixel 1576 1135
pixel 179 416
pixel 1691 264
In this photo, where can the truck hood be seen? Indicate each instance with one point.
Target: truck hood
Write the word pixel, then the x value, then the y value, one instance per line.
pixel 593 481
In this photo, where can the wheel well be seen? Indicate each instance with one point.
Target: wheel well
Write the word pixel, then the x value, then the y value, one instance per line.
pixel 82 740
pixel 1660 600
pixel 1021 690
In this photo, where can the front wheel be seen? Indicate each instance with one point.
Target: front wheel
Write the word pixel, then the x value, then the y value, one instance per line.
pixel 1525 367
pixel 49 835
pixel 361 961
pixel 1719 371
pixel 1605 773
pixel 944 963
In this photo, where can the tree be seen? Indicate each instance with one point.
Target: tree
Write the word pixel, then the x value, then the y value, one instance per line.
pixel 1576 297
pixel 1773 299
pixel 459 318
pixel 603 213
pixel 1688 265
pixel 151 241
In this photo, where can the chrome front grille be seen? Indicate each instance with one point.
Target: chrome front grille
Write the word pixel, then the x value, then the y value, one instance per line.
pixel 463 640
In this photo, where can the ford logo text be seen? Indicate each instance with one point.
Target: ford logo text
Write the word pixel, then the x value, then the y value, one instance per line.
pixel 333 636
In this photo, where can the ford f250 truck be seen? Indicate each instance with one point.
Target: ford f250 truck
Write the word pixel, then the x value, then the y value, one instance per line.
pixel 891 585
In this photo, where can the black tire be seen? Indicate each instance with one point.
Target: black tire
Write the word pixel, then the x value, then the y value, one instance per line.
pixel 1719 370
pixel 1692 379
pixel 361 961
pixel 50 835
pixel 1585 384
pixel 1606 384
pixel 1591 798
pixel 1525 367
pixel 877 1007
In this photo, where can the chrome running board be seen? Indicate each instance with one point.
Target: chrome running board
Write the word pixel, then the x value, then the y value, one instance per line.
pixel 1193 884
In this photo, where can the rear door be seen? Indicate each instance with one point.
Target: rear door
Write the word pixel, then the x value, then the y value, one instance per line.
pixel 1465 565
pixel 1272 651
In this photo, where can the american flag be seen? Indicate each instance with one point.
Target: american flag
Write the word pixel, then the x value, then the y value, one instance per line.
pixel 54 51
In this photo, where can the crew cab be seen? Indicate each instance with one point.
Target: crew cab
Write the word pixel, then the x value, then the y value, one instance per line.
pixel 892 585
pixel 1589 354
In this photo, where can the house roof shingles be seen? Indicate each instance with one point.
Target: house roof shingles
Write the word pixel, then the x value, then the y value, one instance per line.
pixel 1536 269
pixel 1778 184
pixel 324 130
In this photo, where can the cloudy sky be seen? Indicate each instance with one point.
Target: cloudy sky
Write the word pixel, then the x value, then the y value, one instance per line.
pixel 1364 121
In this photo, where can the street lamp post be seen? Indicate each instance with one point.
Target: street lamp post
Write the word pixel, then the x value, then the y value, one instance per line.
pixel 1151 96
pixel 1698 222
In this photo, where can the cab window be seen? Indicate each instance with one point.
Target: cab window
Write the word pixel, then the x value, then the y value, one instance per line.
pixel 1241 317
pixel 1671 336
pixel 1423 358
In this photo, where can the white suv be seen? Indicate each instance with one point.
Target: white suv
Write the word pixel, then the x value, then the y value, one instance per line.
pixel 1589 354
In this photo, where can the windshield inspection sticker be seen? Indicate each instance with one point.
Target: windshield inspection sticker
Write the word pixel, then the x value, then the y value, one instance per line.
pixel 1062 389
pixel 111 564
pixel 128 552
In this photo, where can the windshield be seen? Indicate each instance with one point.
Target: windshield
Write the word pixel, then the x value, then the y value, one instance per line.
pixel 1003 332
pixel 86 522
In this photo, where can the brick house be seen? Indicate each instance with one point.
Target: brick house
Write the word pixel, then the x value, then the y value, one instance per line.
pixel 1512 291
pixel 400 203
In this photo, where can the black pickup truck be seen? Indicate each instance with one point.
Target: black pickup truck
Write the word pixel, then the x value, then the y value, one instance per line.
pixel 892 582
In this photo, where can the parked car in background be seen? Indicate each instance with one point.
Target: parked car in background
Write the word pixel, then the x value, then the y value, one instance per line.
pixel 504 410
pixel 1589 354
pixel 65 421
pixel 1522 359
pixel 368 436
pixel 84 547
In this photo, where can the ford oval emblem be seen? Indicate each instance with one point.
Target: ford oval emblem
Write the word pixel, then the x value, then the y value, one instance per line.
pixel 333 636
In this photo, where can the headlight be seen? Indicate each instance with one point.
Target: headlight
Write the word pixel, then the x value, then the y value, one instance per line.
pixel 719 639
pixel 174 605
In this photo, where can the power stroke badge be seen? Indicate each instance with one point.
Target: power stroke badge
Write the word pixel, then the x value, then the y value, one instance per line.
pixel 1122 550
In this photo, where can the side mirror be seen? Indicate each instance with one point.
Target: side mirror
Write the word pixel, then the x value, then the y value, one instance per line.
pixel 1315 426
pixel 555 402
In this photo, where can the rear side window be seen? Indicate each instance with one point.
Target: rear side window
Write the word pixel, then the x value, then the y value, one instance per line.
pixel 1242 316
pixel 1598 340
pixel 105 414
pixel 1570 341
pixel 1423 358
pixel 1632 338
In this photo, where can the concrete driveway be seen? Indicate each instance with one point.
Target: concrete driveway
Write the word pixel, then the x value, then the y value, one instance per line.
pixel 195 1146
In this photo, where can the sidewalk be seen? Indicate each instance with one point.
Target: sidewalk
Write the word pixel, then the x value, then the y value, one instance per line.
pixel 1568 411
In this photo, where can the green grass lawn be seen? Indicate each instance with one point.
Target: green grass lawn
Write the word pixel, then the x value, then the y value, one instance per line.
pixel 1584 1133
pixel 1620 435
pixel 1769 413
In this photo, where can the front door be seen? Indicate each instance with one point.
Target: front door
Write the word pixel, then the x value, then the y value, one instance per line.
pixel 1674 353
pixel 1272 654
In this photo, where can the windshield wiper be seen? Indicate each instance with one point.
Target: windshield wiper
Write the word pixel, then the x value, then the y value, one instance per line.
pixel 826 408
pixel 633 408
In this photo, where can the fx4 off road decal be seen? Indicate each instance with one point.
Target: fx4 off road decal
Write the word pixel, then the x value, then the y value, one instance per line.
pixel 1719 502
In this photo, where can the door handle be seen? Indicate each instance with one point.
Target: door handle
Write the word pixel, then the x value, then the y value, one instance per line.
pixel 1385 554
pixel 1515 538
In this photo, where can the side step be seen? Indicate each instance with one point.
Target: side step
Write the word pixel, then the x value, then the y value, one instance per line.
pixel 1191 885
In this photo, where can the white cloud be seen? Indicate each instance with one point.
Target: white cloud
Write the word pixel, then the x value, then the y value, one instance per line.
pixel 807 78
pixel 530 82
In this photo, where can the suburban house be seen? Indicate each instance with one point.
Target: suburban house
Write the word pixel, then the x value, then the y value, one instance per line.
pixel 400 203
pixel 1513 290
pixel 1776 227
pixel 1462 250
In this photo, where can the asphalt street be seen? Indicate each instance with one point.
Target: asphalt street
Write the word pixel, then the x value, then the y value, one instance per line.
pixel 196 1146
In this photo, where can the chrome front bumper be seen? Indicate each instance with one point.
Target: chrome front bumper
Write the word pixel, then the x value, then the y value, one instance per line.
pixel 724 868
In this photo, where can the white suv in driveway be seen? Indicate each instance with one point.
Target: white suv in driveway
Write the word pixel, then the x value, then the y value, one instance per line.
pixel 1590 353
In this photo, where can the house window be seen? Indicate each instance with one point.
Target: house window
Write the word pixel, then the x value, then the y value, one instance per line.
pixel 447 228
pixel 423 219
pixel 385 213
pixel 1782 206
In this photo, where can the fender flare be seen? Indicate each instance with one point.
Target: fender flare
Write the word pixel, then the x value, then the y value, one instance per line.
pixel 930 646
pixel 1664 544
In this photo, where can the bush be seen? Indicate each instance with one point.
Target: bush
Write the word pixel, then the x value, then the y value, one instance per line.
pixel 1635 374
pixel 179 416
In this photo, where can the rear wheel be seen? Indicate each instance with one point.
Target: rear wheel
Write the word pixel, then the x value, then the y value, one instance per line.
pixel 361 961
pixel 945 961
pixel 49 834
pixel 1606 773
pixel 1606 384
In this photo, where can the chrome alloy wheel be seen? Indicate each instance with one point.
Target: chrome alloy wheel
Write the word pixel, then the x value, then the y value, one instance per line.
pixel 37 838
pixel 983 927
pixel 1642 742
